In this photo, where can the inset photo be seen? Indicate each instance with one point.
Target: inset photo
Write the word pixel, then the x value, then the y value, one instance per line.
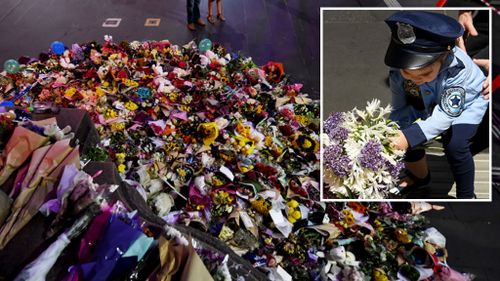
pixel 405 104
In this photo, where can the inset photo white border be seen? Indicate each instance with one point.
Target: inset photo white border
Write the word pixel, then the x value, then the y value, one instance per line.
pixel 361 103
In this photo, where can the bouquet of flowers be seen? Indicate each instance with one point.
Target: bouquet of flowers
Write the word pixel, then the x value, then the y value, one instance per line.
pixel 358 158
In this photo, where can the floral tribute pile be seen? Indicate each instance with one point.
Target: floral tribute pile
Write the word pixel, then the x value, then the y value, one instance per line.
pixel 214 141
pixel 359 159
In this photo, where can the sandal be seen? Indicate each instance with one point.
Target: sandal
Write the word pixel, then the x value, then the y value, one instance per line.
pixel 210 19
pixel 221 17
pixel 417 182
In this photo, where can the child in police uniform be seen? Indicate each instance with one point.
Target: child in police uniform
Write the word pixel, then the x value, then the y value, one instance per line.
pixel 436 89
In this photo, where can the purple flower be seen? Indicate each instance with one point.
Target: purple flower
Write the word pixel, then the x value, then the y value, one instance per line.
pixel 339 134
pixel 332 152
pixel 334 160
pixel 35 128
pixel 395 170
pixel 77 52
pixel 370 157
pixel 333 121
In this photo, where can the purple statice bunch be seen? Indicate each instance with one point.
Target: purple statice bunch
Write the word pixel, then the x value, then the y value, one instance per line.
pixel 394 170
pixel 333 127
pixel 371 157
pixel 333 121
pixel 339 164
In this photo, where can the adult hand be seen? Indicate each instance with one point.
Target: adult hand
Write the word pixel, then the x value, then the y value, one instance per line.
pixel 483 63
pixel 400 141
pixel 465 19
pixel 420 207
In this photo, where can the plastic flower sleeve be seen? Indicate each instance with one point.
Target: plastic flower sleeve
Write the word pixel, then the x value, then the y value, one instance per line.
pixel 40 267
pixel 53 157
pixel 181 261
pixel 38 196
pixel 95 231
pixel 4 206
pixel 18 182
pixel 56 154
pixel 20 146
pixel 114 242
pixel 23 196
pixel 63 189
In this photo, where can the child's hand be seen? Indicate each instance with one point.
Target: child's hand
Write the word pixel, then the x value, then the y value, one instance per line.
pixel 400 142
pixel 483 63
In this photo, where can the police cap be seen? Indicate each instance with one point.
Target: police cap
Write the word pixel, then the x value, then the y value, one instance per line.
pixel 419 38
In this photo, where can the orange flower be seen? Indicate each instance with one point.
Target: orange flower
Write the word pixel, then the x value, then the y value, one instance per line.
pixel 358 207
pixel 274 71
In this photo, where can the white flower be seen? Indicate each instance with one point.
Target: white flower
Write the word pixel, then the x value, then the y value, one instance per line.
pixel 207 160
pixel 155 186
pixel 221 123
pixel 325 140
pixel 369 178
pixel 163 202
pixel 204 60
pixel 135 45
pixel 181 72
pixel 372 107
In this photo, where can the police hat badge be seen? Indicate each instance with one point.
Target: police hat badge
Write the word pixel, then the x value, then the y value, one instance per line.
pixel 453 101
pixel 405 33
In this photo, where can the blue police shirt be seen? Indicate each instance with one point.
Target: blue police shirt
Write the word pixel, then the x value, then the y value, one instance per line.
pixel 454 97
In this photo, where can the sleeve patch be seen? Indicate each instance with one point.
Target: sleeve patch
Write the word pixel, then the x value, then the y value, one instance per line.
pixel 453 101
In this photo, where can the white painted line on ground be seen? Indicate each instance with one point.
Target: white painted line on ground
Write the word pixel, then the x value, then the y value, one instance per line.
pixel 112 22
pixel 152 22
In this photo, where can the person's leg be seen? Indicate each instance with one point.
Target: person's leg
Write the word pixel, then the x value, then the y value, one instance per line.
pixel 456 145
pixel 418 168
pixel 416 163
pixel 416 173
pixel 219 11
pixel 196 10
pixel 190 12
pixel 210 14
pixel 190 6
pixel 480 141
pixel 196 13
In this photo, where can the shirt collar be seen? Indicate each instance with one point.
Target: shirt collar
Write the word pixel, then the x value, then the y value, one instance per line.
pixel 451 61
